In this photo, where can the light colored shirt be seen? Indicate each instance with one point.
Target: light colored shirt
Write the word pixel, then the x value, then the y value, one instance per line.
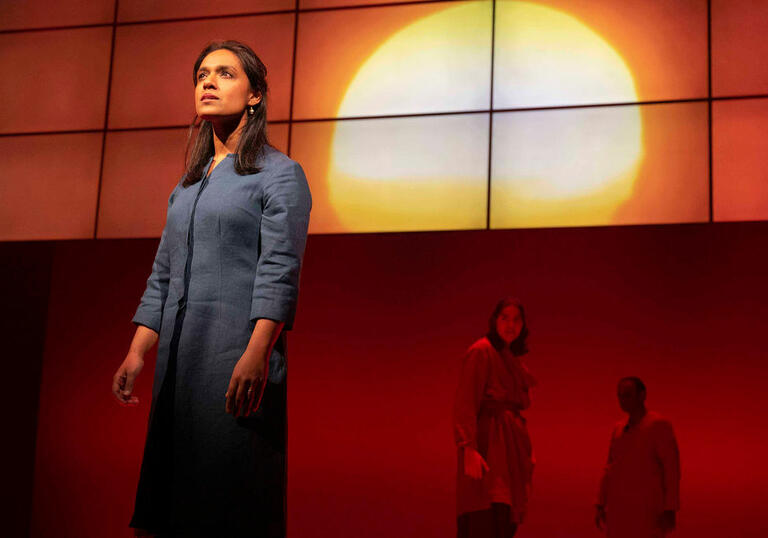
pixel 641 478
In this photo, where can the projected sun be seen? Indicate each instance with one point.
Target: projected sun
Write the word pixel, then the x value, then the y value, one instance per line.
pixel 560 167
pixel 549 168
pixel 421 173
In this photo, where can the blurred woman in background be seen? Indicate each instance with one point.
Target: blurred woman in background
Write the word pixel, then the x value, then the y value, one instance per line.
pixel 495 459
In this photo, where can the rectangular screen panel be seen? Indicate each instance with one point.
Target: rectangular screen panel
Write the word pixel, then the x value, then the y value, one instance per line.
pixel 600 166
pixel 569 52
pixel 144 10
pixel 27 14
pixel 141 168
pixel 152 81
pixel 58 82
pixel 314 4
pixel 400 174
pixel 739 47
pixel 393 60
pixel 278 136
pixel 739 174
pixel 51 196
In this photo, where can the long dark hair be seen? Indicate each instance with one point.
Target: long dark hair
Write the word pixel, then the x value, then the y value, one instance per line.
pixel 519 345
pixel 253 137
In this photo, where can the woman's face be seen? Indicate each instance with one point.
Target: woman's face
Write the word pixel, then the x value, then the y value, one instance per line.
pixel 222 89
pixel 509 324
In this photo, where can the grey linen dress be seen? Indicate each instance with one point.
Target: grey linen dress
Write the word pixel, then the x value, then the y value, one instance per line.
pixel 229 255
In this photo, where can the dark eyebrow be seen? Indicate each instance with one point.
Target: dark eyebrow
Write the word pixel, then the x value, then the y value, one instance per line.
pixel 218 68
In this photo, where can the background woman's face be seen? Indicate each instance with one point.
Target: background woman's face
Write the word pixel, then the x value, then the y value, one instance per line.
pixel 222 89
pixel 509 323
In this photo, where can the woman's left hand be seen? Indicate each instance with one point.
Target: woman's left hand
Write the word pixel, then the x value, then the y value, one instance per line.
pixel 246 385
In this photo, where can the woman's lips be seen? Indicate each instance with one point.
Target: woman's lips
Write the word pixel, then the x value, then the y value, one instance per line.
pixel 209 97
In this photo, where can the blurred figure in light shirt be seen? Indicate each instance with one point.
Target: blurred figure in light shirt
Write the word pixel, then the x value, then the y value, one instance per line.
pixel 640 488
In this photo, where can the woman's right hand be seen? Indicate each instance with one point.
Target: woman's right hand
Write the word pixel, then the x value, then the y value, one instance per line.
pixel 474 464
pixel 122 381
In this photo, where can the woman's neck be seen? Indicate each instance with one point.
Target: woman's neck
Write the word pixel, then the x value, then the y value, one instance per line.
pixel 226 136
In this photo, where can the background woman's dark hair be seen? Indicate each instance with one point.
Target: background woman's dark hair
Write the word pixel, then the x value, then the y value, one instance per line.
pixel 519 345
pixel 253 137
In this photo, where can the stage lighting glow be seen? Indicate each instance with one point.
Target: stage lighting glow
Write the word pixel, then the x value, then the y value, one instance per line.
pixel 440 62
pixel 406 174
pixel 425 173
pixel 546 57
pixel 548 169
pixel 563 167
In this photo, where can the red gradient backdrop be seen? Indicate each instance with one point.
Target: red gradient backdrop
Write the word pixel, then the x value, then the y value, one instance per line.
pixel 93 146
pixel 382 325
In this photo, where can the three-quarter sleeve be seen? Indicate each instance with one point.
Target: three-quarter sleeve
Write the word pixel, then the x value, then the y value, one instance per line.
pixel 469 394
pixel 283 234
pixel 150 310
pixel 668 457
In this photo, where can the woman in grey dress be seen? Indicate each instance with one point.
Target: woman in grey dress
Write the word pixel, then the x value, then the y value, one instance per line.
pixel 222 293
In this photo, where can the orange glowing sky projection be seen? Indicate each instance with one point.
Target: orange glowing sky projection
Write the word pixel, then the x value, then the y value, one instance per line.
pixel 632 151
pixel 549 168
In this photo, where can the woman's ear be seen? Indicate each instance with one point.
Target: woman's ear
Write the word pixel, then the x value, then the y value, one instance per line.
pixel 254 100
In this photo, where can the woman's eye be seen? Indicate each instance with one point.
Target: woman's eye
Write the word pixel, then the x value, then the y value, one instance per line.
pixel 203 74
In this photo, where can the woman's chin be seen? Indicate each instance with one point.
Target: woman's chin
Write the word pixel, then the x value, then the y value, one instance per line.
pixel 222 118
pixel 207 116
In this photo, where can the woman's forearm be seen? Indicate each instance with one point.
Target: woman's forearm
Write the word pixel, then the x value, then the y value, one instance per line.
pixel 143 340
pixel 263 338
pixel 252 369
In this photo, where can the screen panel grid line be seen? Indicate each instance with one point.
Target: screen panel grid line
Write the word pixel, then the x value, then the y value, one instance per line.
pixel 493 108
pixel 106 122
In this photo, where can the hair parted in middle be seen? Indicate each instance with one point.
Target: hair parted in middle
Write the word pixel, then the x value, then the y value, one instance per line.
pixel 253 137
pixel 519 346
